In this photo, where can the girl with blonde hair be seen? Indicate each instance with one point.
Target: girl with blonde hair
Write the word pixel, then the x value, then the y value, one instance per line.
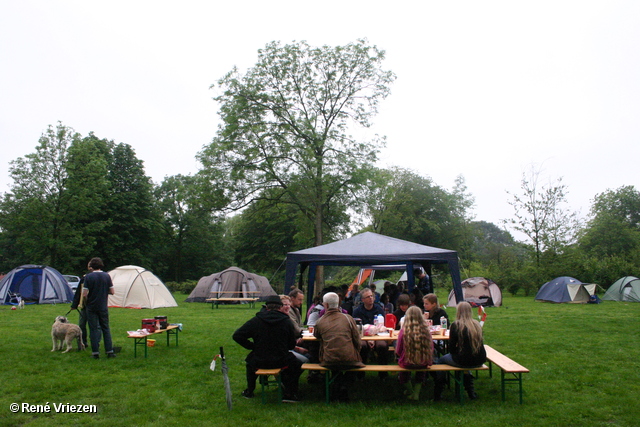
pixel 414 348
pixel 466 348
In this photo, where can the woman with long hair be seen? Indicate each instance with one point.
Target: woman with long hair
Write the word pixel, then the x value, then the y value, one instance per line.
pixel 414 348
pixel 466 348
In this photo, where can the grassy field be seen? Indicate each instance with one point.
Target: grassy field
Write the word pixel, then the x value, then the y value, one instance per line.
pixel 584 362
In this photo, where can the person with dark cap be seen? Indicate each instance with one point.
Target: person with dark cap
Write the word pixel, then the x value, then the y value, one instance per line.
pixel 269 336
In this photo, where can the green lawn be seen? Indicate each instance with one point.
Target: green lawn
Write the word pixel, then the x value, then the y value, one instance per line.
pixel 584 362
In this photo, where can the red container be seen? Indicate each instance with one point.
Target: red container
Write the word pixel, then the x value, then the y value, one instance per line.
pixel 149 324
pixel 390 321
pixel 162 320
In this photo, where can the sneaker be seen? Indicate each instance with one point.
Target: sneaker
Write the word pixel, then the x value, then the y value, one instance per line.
pixel 247 394
pixel 290 398
pixel 111 355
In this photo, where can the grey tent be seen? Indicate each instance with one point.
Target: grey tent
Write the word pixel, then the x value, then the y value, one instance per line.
pixel 366 250
pixel 565 289
pixel 624 289
pixel 234 282
pixel 38 284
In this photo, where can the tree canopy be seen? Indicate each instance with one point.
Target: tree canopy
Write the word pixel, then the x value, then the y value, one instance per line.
pixel 285 123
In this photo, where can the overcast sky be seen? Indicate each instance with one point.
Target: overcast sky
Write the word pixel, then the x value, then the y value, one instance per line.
pixel 484 89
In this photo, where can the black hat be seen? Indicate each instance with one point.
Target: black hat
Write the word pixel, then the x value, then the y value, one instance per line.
pixel 273 299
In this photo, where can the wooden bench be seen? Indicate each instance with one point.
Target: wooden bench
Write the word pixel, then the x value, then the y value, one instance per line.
pixel 141 339
pixel 216 297
pixel 263 376
pixel 216 301
pixel 510 371
pixel 457 377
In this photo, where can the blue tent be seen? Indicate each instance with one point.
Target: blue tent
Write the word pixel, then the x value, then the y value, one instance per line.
pixel 565 289
pixel 367 250
pixel 36 284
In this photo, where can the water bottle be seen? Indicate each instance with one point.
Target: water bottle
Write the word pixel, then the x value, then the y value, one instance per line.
pixel 443 323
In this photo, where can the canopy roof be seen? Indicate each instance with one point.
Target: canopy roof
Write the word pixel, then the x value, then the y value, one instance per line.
pixel 366 250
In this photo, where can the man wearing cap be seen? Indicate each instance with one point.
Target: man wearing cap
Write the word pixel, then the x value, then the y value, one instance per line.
pixel 269 336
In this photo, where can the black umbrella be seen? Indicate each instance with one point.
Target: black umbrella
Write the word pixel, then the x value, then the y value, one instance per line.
pixel 225 377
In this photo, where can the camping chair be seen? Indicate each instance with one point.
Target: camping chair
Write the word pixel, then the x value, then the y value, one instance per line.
pixel 14 298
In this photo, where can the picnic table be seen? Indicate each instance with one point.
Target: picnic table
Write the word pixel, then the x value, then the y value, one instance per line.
pixel 140 338
pixel 251 299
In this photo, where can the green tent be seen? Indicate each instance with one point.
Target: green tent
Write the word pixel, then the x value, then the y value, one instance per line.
pixel 624 289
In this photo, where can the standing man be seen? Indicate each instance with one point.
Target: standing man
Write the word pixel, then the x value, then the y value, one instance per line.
pixel 424 284
pixel 97 288
pixel 367 311
pixel 339 344
pixel 270 335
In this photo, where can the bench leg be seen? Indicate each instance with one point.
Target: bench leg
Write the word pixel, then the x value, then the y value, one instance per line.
pixel 264 382
pixel 517 378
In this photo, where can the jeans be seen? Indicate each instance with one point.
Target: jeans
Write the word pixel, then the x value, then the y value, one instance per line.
pixel 99 327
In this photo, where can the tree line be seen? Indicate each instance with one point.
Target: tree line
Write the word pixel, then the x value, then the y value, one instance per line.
pixel 284 173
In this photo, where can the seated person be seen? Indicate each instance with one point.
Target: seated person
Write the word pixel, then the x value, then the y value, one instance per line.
pixel 339 344
pixel 432 310
pixel 403 305
pixel 270 335
pixel 367 311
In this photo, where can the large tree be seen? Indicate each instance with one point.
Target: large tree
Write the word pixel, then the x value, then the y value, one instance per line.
pixel 614 227
pixel 191 241
pixel 285 123
pixel 34 213
pixel 542 215
pixel 405 205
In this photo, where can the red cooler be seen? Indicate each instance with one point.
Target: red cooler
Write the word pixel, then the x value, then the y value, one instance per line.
pixel 149 324
pixel 390 321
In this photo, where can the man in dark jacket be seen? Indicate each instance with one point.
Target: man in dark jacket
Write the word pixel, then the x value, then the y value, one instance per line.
pixel 270 335
pixel 97 288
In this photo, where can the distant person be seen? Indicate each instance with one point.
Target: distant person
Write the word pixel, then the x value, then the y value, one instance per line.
pixel 97 288
pixel 270 335
pixel 339 344
pixel 386 304
pixel 403 305
pixel 466 349
pixel 414 348
pixel 375 293
pixel 416 298
pixel 424 282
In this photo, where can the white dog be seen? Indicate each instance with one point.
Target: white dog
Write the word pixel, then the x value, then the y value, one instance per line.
pixel 64 331
pixel 21 303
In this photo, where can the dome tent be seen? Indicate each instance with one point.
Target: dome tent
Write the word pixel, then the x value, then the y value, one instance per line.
pixel 38 284
pixel 233 282
pixel 624 289
pixel 565 289
pixel 479 291
pixel 137 287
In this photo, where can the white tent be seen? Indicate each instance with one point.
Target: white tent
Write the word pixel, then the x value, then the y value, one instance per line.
pixel 480 291
pixel 136 287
